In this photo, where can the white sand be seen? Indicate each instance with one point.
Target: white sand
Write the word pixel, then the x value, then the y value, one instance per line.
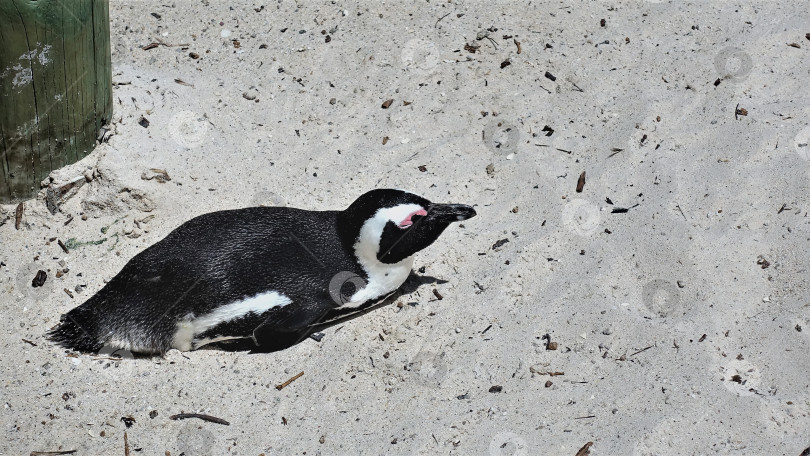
pixel 708 189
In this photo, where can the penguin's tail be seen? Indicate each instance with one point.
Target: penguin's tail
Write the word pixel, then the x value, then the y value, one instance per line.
pixel 77 330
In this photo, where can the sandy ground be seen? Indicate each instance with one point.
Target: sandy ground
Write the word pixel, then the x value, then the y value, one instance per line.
pixel 682 325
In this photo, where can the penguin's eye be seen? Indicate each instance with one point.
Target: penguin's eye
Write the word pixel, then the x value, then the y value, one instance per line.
pixel 412 218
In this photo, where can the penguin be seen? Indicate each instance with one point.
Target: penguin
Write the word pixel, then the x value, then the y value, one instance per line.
pixel 264 278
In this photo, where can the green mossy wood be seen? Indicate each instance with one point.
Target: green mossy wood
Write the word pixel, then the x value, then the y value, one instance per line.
pixel 55 88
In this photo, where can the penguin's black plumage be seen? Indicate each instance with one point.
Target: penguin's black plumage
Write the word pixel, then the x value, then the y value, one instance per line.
pixel 261 276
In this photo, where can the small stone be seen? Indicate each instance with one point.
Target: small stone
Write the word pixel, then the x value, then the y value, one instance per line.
pixel 552 346
pixel 496 389
pixel 549 383
pixel 332 101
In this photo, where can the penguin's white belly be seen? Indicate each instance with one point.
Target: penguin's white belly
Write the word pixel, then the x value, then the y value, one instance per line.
pixel 383 279
pixel 192 326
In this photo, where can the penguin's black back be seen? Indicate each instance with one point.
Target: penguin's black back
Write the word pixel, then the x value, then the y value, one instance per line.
pixel 209 261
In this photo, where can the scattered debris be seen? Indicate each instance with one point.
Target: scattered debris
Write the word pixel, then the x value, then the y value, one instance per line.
pixel 471 48
pixel 128 421
pixel 150 46
pixel 517 43
pixel 52 453
pixel 550 76
pixel 497 245
pixel 702 338
pixel 160 175
pixel 144 122
pixel 209 418
pixel 39 279
pixel 422 168
pixel 581 182
pixel 795 45
pixel 385 140
pixel 495 389
pixel 548 383
pixel 585 450
pixel 194 55
pixel 763 262
pixel 505 63
pixel 437 294
pixel 294 378
pixel 738 111
pixel 18 214
pixel 387 103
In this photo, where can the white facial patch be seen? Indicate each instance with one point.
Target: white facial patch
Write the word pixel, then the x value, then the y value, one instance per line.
pixel 189 328
pixel 383 278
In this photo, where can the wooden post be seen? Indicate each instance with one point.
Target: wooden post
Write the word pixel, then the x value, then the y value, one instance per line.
pixel 55 88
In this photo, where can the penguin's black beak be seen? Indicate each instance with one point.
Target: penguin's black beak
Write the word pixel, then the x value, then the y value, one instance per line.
pixel 449 213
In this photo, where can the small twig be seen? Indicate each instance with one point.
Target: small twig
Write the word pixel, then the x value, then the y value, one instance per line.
pixel 585 450
pixel 584 417
pixel 209 418
pixel 18 214
pixel 576 86
pixel 182 82
pixel 439 20
pixel 29 342
pixel 643 349
pixel 517 43
pixel 437 294
pixel 615 150
pixel 52 453
pixel 678 206
pixel 126 444
pixel 62 245
pixel 285 384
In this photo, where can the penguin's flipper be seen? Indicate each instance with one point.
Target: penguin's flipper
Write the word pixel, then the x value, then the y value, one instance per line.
pixel 286 327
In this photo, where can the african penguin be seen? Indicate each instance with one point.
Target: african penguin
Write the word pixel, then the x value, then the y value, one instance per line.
pixel 261 276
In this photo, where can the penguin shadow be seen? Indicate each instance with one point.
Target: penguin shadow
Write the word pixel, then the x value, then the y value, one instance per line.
pixel 287 340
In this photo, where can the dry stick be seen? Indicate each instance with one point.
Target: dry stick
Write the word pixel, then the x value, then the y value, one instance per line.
pixel 126 444
pixel 283 385
pixel 51 453
pixel 643 349
pixel 585 450
pixel 18 213
pixel 209 418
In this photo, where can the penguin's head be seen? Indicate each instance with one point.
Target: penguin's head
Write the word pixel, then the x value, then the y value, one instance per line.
pixel 391 225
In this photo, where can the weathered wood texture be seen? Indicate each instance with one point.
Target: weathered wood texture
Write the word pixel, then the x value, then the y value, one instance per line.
pixel 55 88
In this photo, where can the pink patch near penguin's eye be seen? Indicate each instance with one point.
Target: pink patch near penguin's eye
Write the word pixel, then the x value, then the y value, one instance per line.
pixel 408 221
